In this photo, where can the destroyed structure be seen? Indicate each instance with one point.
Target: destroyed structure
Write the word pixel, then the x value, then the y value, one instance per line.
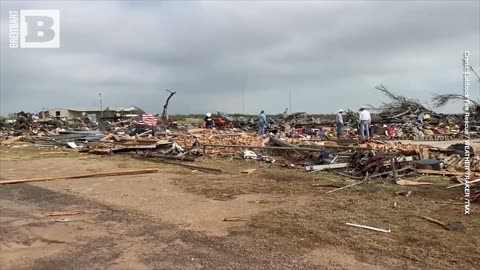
pixel 297 141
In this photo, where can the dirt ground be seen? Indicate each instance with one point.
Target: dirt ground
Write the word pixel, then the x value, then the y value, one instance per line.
pixel 173 219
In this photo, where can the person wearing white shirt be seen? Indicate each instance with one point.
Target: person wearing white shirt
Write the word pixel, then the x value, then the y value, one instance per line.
pixel 339 123
pixel 365 121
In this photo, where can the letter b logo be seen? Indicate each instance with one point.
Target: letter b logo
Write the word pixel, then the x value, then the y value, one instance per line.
pixel 39 29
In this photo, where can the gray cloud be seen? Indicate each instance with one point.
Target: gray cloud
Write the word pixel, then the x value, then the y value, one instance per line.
pixel 329 54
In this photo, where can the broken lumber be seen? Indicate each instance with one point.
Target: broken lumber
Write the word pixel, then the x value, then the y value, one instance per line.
pixel 284 148
pixel 444 173
pixel 327 167
pixel 227 135
pixel 387 173
pixel 373 175
pixel 404 182
pixel 72 145
pixel 264 147
pixel 368 227
pixel 284 144
pixel 234 219
pixel 11 140
pixel 101 151
pixel 54 153
pixel 463 184
pixel 66 213
pixel 183 158
pixel 76 176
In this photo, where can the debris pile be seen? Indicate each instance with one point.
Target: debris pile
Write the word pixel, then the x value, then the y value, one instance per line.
pixel 210 136
pixel 28 124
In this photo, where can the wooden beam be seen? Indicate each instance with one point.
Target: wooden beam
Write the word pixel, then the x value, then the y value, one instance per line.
pixel 75 176
pixel 444 173
pixel 192 167
pixel 11 140
pixel 327 166
pixel 284 148
pixel 463 184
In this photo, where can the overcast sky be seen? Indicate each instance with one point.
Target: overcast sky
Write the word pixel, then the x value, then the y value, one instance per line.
pixel 330 55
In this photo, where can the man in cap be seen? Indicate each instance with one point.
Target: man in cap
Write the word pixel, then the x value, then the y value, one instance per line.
pixel 339 123
pixel 209 123
pixel 262 123
pixel 365 121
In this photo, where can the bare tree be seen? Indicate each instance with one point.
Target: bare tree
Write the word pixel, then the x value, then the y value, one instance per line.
pixel 165 107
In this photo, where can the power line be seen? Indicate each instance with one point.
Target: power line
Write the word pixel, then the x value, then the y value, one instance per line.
pixel 471 68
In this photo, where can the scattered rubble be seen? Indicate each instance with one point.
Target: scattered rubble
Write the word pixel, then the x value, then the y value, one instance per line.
pixel 297 140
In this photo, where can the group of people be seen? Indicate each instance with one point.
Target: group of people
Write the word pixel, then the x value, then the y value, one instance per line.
pixel 364 121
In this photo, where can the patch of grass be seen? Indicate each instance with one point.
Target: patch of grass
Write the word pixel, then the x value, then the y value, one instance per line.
pixel 32 152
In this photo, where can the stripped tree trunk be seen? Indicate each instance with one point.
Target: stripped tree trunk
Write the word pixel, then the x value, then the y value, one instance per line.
pixel 165 107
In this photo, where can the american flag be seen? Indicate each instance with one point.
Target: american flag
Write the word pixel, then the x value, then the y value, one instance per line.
pixel 148 120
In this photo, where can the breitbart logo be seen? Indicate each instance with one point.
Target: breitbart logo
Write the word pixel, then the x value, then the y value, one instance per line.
pixel 34 28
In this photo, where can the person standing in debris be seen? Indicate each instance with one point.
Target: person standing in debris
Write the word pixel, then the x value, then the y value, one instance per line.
pixel 209 123
pixel 339 123
pixel 365 121
pixel 262 123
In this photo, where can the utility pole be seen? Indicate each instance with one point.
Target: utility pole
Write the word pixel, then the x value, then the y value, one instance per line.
pixel 243 94
pixel 290 101
pixel 101 106
pixel 243 100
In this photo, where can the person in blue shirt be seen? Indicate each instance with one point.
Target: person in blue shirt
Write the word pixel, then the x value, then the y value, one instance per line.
pixel 262 123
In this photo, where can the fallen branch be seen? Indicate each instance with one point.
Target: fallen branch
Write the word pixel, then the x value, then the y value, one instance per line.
pixel 447 226
pixel 434 221
pixel 75 176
